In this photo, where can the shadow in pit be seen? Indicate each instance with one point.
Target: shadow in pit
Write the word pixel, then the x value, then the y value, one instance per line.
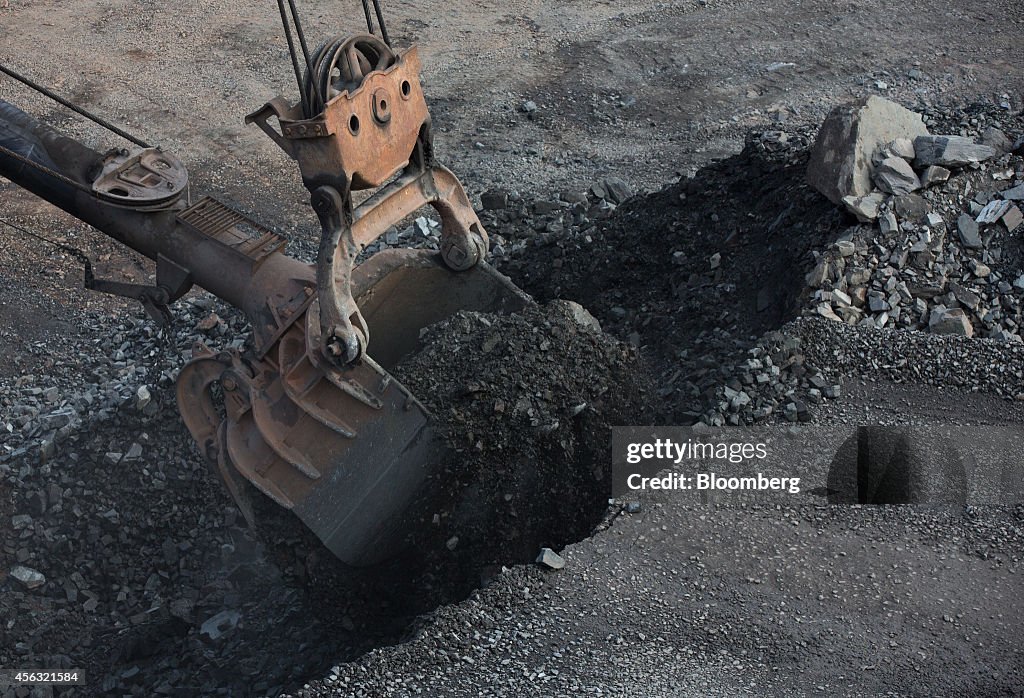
pixel 927 465
pixel 696 272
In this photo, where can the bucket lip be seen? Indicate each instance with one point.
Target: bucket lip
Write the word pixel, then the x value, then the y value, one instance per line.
pixel 380 265
pixel 400 292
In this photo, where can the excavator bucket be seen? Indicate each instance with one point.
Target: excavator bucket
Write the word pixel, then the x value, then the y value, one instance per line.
pixel 347 449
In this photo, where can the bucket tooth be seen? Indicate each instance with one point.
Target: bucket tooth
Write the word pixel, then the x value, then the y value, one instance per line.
pixel 248 451
pixel 352 388
pixel 327 417
pixel 306 387
pixel 238 486
pixel 277 418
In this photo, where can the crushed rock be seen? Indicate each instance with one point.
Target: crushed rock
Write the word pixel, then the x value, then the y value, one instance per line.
pixel 525 403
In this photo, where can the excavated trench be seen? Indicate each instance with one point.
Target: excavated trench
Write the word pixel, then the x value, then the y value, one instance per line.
pixel 525 403
pixel 695 274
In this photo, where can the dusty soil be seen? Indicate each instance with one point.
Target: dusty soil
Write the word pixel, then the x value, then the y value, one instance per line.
pixel 781 601
pixel 525 403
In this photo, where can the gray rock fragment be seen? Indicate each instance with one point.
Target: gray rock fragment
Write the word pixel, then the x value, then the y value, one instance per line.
pixel 142 397
pixel 965 296
pixel 216 626
pixel 934 174
pixel 950 321
pixel 877 302
pixel 997 140
pixel 895 176
pixel 898 148
pixel 494 199
pixel 967 228
pixel 1014 193
pixel 550 558
pixel 28 577
pixel 949 151
pixel 993 211
pixel 825 310
pixel 887 223
pixel 1012 218
pixel 58 418
pixel 818 275
pixel 841 297
pixel 613 189
pixel 840 163
pixel 580 314
pixel 845 248
pixel 864 207
pixel 978 268
pixel 910 207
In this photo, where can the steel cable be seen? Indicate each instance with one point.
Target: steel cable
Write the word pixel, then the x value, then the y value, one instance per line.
pixel 73 251
pixel 369 18
pixel 73 107
pixel 294 56
pixel 380 22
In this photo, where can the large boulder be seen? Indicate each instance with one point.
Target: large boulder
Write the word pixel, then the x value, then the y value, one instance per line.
pixel 840 164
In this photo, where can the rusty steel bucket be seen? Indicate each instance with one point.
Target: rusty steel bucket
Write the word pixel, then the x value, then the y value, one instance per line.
pixel 347 449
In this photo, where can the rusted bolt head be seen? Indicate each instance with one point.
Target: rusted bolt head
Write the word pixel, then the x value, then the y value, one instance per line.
pixel 229 384
pixel 382 105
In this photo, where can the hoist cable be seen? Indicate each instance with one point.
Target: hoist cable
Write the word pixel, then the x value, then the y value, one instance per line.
pixel 73 107
pixel 380 22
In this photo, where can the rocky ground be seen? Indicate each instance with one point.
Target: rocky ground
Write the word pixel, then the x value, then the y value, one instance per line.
pixel 748 296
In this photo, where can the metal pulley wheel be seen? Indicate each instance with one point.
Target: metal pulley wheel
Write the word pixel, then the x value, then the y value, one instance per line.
pixel 148 178
pixel 339 65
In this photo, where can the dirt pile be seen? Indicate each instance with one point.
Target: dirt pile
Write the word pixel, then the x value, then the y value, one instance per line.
pixel 525 403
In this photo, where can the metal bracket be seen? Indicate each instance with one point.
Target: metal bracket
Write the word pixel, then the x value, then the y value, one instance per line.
pixel 373 133
pixel 172 282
